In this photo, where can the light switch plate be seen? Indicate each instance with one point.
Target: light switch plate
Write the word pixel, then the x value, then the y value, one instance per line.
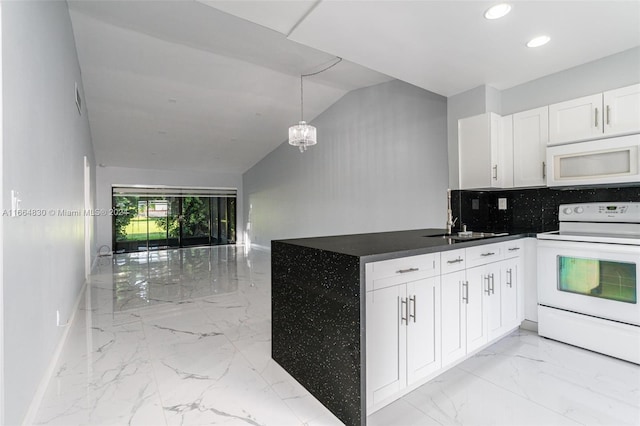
pixel 502 203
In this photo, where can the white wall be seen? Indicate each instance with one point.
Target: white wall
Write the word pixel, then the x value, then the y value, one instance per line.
pixel 45 141
pixel 107 177
pixel 619 70
pixel 380 164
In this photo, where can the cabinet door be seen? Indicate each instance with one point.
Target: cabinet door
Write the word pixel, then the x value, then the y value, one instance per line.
pixel 575 120
pixel 474 151
pixel 476 325
pixel 511 271
pixel 386 343
pixel 454 301
pixel 494 303
pixel 530 138
pixel 622 110
pixel 423 331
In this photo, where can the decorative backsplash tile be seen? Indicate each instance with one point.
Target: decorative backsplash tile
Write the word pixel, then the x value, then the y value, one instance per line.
pixel 528 210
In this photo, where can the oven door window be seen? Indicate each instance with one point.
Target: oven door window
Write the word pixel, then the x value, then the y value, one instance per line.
pixel 598 278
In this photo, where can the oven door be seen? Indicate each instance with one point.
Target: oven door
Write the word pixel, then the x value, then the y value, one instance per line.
pixel 590 278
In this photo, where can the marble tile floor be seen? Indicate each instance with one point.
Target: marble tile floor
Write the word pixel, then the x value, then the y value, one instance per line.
pixel 182 337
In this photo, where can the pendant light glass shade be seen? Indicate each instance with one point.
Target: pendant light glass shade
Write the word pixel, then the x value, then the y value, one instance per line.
pixel 302 135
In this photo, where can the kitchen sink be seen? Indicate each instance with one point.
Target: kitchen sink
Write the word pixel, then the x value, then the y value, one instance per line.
pixel 470 235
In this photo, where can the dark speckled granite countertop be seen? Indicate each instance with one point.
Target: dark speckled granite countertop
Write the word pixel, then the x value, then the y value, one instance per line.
pixel 389 245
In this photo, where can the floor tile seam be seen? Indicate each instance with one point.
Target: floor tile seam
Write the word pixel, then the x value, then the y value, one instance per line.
pixel 567 381
pixel 267 382
pixel 524 398
pixel 155 380
pixel 419 409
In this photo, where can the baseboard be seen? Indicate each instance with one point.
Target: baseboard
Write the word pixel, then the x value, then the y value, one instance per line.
pixel 529 325
pixel 32 412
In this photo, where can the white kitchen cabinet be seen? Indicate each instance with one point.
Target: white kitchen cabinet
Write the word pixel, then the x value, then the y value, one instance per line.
pixel 418 322
pixel 403 325
pixel 575 120
pixel 622 110
pixel 614 112
pixel 510 286
pixel 423 329
pixel 386 363
pixel 530 139
pixel 485 149
pixel 454 316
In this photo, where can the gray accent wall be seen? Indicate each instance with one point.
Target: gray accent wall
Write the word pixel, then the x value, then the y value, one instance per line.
pixel 611 72
pixel 380 165
pixel 45 141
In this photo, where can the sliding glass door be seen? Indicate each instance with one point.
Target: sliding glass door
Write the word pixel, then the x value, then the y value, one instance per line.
pixel 152 221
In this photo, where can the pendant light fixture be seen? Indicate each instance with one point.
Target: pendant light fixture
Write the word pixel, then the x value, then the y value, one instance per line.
pixel 302 134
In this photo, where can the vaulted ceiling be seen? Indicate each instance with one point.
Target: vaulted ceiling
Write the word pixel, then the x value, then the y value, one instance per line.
pixel 214 85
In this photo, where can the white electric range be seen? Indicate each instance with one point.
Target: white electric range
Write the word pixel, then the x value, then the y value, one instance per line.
pixel 588 275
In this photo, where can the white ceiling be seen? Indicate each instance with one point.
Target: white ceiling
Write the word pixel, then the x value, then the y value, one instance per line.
pixel 214 85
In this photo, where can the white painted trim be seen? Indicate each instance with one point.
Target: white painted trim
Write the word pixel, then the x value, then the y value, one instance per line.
pixel 32 412
pixel 1 241
pixel 259 247
pixel 88 220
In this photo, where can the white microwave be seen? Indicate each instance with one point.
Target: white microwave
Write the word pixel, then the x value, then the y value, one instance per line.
pixel 613 160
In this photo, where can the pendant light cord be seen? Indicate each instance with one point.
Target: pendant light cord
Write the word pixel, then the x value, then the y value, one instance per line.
pixel 339 59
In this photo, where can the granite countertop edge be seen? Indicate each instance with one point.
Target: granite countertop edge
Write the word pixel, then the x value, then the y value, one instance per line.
pixel 373 247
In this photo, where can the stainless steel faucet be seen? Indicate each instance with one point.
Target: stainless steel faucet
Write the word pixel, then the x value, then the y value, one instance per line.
pixel 450 219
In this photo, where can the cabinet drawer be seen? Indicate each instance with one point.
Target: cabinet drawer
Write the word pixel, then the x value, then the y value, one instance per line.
pixel 395 271
pixel 484 254
pixel 513 248
pixel 452 261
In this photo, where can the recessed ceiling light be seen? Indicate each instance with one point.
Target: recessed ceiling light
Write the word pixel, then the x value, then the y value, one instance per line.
pixel 538 41
pixel 497 11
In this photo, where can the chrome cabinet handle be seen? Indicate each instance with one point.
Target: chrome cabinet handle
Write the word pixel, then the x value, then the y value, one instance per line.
pixel 458 260
pixel 487 254
pixel 608 115
pixel 465 297
pixel 488 288
pixel 403 310
pixel 495 172
pixel 544 170
pixel 510 282
pixel 404 271
pixel 413 299
pixel 514 248
pixel 493 286
pixel 596 116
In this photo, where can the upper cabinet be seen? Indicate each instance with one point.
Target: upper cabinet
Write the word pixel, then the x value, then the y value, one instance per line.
pixel 611 113
pixel 622 110
pixel 530 138
pixel 485 147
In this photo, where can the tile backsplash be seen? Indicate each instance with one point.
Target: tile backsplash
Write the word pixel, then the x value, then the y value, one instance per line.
pixel 528 210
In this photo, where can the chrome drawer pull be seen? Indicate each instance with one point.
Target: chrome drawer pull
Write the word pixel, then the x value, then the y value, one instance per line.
pixel 487 254
pixel 404 271
pixel 514 249
pixel 488 289
pixel 458 260
pixel 465 297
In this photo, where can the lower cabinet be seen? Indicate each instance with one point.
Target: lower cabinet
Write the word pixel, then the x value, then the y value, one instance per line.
pixel 403 337
pixel 416 328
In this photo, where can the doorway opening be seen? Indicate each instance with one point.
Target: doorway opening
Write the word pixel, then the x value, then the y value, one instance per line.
pixel 159 218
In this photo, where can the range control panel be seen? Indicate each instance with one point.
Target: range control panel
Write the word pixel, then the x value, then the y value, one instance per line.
pixel 600 212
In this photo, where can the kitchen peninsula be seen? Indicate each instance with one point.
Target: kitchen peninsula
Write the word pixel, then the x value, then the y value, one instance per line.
pixel 346 309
